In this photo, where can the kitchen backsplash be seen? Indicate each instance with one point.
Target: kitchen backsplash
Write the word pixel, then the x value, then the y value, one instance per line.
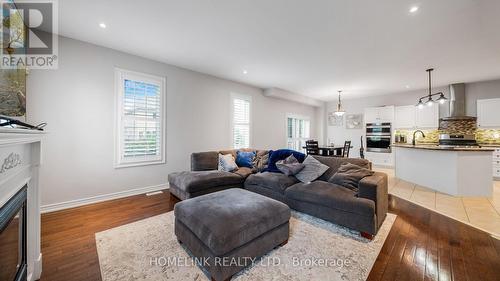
pixel 483 136
pixel 461 127
pixel 431 136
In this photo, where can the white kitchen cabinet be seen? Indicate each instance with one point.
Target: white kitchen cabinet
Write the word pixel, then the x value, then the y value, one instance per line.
pixel 427 117
pixel 380 159
pixel 488 114
pixel 379 114
pixel 386 114
pixel 404 117
pixel 371 115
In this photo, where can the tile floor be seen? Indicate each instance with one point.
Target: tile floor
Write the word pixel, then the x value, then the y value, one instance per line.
pixel 480 212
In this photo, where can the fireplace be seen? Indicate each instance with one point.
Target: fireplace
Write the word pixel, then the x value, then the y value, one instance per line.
pixel 13 239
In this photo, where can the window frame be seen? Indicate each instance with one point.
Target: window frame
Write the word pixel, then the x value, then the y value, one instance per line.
pixel 248 98
pixel 120 76
pixel 300 117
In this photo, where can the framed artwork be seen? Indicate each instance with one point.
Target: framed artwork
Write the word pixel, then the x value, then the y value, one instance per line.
pixel 13 92
pixel 13 81
pixel 354 121
pixel 335 120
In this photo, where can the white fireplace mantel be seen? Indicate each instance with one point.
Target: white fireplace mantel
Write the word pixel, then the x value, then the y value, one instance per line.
pixel 20 159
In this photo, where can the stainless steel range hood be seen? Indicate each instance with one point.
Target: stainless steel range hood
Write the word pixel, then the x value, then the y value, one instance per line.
pixel 457 103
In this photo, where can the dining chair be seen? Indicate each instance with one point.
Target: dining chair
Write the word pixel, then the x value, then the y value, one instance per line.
pixel 312 147
pixel 347 147
pixel 345 151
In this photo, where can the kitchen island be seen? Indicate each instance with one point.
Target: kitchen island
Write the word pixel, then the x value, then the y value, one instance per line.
pixel 458 171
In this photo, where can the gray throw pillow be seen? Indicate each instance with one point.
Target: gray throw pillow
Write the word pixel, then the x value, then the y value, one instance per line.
pixel 289 166
pixel 227 163
pixel 348 175
pixel 313 169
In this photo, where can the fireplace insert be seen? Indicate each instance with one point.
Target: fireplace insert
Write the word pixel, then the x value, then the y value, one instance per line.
pixel 13 215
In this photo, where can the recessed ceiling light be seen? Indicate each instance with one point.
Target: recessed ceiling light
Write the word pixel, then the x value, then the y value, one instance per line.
pixel 413 9
pixel 407 86
pixel 245 71
pixel 102 25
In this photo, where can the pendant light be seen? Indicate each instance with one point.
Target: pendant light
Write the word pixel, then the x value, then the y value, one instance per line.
pixel 441 99
pixel 339 111
pixel 430 102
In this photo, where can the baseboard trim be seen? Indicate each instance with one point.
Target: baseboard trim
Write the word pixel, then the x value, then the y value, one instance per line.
pixel 100 198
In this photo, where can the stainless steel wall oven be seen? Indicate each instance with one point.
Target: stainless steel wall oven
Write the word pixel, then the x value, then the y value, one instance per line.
pixel 378 137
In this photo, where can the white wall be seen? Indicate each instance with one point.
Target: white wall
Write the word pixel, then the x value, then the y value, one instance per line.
pixel 77 103
pixel 474 91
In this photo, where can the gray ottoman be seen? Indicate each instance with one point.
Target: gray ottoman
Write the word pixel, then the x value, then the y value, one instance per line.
pixel 231 225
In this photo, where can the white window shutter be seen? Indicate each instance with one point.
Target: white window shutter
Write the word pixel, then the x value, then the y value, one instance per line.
pixel 298 132
pixel 140 119
pixel 241 122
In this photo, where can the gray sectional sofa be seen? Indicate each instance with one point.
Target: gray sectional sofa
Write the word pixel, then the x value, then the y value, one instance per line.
pixel 204 177
pixel 363 211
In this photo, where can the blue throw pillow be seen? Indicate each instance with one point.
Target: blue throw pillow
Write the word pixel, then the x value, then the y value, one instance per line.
pixel 282 154
pixel 245 159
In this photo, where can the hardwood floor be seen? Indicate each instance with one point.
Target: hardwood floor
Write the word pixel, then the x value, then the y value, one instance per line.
pixel 422 245
pixel 68 241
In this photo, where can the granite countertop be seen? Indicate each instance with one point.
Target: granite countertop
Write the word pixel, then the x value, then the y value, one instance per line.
pixel 448 148
pixel 490 145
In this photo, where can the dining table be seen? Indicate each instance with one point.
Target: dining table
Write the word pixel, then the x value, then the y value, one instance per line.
pixel 329 150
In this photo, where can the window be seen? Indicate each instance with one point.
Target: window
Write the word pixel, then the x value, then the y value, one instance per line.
pixel 298 132
pixel 140 115
pixel 240 109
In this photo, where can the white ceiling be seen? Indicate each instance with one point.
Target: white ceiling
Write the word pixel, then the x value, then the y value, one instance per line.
pixel 312 48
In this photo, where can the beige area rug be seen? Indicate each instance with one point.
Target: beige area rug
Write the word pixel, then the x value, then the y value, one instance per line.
pixel 316 250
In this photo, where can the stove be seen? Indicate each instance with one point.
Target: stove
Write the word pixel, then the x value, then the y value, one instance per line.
pixel 453 140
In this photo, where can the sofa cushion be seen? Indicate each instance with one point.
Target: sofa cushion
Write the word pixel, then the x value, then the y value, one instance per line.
pixel 274 181
pixel 290 166
pixel 349 175
pixel 200 180
pixel 243 172
pixel 281 154
pixel 313 169
pixel 335 162
pixel 235 217
pixel 245 158
pixel 332 196
pixel 204 161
